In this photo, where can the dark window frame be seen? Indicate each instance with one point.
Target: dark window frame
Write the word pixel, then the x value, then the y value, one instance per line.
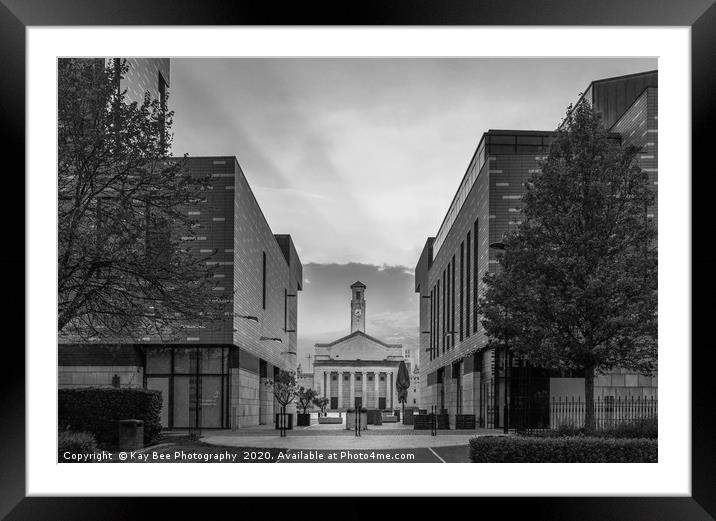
pixel 444 311
pixel 475 274
pixel 263 281
pixel 462 290
pixel 452 303
pixel 468 281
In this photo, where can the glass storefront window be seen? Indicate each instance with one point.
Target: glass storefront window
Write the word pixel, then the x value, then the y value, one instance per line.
pixel 210 360
pixel 185 359
pixel 211 400
pixel 185 395
pixel 198 383
pixel 159 361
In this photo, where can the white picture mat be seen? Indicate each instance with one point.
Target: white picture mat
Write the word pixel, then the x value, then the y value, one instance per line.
pixel 671 476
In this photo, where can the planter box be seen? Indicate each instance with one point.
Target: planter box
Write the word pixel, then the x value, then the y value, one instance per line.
pixel 375 417
pixel 303 420
pixel 424 422
pixel 330 419
pixel 389 418
pixel 465 421
pixel 351 420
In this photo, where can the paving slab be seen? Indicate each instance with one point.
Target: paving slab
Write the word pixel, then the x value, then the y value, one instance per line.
pixel 337 442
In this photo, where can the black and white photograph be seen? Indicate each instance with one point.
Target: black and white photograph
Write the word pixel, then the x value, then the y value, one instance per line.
pixel 357 259
pixel 445 245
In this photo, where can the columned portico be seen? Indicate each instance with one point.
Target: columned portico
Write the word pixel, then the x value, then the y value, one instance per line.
pixel 357 361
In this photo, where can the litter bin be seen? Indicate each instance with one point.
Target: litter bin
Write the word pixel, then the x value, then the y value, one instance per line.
pixel 131 434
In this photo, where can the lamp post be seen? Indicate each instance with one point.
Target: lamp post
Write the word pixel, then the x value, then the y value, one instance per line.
pixel 500 246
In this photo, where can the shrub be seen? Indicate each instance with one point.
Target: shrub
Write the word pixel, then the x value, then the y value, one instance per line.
pixel 75 443
pixel 97 410
pixel 646 428
pixel 514 449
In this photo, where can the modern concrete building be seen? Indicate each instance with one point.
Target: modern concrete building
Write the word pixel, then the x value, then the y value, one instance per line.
pixel 357 366
pixel 457 371
pixel 212 375
pixel 220 365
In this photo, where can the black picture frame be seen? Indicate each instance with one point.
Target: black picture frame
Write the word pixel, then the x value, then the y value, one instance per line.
pixel 700 15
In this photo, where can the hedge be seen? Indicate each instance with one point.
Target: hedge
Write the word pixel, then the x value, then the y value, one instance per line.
pixel 98 409
pixel 514 449
pixel 644 428
pixel 75 443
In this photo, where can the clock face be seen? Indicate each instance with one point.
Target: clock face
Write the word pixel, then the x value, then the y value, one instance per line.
pixel 357 312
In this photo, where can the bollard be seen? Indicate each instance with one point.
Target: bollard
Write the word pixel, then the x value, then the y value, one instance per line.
pixel 131 434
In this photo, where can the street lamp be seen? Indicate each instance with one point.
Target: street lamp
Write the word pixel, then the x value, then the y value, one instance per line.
pixel 500 246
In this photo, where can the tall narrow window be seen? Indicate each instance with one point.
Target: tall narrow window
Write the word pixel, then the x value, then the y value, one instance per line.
pixel 452 301
pixel 285 309
pixel 467 285
pixel 475 277
pixel 462 289
pixel 444 309
pixel 448 305
pixel 430 321
pixel 263 282
pixel 437 320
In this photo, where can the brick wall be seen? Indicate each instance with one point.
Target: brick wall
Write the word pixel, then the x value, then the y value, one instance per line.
pixel 253 239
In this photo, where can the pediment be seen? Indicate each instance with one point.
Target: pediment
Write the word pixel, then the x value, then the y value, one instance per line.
pixel 359 346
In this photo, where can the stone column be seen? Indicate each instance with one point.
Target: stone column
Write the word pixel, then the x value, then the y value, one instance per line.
pixel 392 379
pixel 376 381
pixel 364 389
pixel 340 389
pixel 352 383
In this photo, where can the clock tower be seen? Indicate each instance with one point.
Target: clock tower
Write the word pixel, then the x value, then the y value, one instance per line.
pixel 358 307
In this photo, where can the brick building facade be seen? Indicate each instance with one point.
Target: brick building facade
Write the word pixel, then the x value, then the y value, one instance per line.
pixel 457 371
pixel 212 374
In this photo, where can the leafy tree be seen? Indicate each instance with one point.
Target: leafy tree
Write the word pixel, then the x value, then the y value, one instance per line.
pixel 123 267
pixel 321 402
pixel 577 288
pixel 305 398
pixel 284 388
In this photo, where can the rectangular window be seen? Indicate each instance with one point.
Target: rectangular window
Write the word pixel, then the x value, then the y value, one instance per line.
pixel 462 288
pixel 285 309
pixel 467 285
pixel 475 278
pixel 444 314
pixel 448 305
pixel 430 321
pixel 452 302
pixel 437 321
pixel 263 282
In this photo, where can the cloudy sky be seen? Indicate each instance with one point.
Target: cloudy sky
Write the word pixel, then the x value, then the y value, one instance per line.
pixel 358 159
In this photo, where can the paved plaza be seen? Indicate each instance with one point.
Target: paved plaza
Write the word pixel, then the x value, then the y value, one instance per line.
pixel 337 437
